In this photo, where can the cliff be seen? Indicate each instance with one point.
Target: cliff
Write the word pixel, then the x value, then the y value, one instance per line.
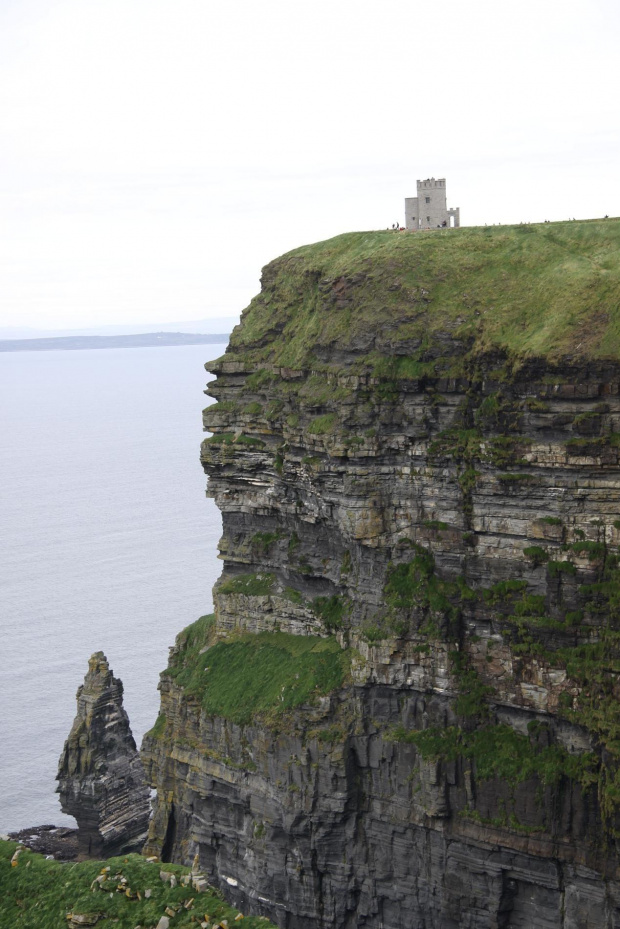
pixel 100 778
pixel 404 712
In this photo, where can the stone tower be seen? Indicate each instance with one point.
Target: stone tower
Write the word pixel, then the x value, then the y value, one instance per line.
pixel 428 210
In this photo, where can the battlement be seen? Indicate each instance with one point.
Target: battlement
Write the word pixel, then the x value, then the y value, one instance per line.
pixel 429 210
pixel 431 182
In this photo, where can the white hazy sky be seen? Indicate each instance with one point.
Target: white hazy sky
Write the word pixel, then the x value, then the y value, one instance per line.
pixel 154 154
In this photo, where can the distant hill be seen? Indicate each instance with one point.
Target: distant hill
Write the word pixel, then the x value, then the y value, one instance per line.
pixel 141 340
pixel 215 324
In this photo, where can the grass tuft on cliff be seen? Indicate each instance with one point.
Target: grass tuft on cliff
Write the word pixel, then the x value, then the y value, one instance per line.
pixel 497 751
pixel 256 675
pixel 40 894
pixel 547 290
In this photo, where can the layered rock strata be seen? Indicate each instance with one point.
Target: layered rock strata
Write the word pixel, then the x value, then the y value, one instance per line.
pixel 100 777
pixel 397 480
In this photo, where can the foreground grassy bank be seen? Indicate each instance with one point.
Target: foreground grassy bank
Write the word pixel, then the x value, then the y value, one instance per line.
pixel 123 893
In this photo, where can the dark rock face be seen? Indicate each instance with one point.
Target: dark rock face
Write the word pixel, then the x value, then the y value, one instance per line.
pixel 100 777
pixel 362 832
pixel 59 842
pixel 459 534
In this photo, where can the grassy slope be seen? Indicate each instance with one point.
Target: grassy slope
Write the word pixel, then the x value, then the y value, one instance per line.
pixel 536 290
pixel 38 894
pixel 251 676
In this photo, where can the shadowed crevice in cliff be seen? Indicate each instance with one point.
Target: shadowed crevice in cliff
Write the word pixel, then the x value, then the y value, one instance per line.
pixel 170 837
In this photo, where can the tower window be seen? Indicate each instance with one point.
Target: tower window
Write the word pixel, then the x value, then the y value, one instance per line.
pixel 428 219
pixel 427 199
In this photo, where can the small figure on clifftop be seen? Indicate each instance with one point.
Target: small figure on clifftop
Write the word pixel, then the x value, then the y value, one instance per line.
pixel 100 778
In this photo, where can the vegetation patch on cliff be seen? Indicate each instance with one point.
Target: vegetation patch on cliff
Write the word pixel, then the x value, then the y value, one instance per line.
pixel 414 593
pixel 250 585
pixel 331 610
pixel 497 751
pixel 257 675
pixel 38 893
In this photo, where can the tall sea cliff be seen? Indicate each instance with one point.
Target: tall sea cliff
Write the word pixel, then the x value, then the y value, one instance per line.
pixel 404 713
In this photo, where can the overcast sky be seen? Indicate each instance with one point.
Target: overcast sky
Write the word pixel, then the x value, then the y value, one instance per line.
pixel 154 154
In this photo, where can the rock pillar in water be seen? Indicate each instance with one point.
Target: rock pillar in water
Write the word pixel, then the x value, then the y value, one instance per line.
pixel 100 778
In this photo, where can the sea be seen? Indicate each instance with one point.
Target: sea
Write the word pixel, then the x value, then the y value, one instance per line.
pixel 107 543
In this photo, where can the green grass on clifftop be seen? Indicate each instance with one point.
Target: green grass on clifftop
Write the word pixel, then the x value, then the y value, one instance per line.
pixel 256 675
pixel 39 894
pixel 549 290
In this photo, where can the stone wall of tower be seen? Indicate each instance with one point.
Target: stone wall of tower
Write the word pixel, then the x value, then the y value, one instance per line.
pixel 429 210
pixel 432 203
pixel 411 213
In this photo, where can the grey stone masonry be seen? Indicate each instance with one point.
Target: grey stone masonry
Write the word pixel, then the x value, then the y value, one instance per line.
pixel 428 210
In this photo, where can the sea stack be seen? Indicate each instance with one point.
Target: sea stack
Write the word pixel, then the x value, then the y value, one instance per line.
pixel 100 778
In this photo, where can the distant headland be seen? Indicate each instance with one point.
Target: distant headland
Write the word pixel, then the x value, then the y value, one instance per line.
pixel 140 340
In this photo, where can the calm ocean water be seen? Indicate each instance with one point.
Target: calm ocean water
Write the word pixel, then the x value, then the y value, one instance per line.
pixel 107 542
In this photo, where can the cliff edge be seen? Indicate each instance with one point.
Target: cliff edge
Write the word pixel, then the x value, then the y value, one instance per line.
pixel 404 712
